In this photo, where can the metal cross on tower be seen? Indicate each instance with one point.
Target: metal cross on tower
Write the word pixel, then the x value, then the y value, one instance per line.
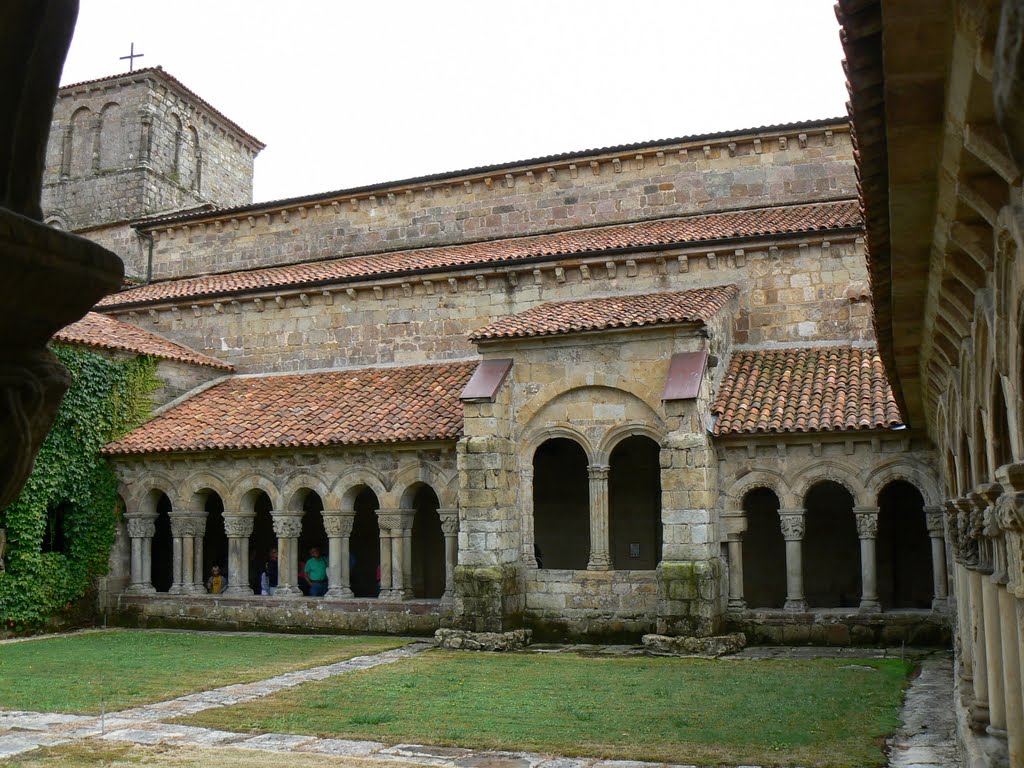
pixel 132 55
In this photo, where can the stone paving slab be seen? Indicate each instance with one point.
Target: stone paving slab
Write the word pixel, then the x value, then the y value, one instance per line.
pixel 275 742
pixel 343 747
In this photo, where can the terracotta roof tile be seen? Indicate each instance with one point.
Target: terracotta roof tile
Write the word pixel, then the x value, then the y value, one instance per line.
pixel 665 232
pixel 554 318
pixel 373 405
pixel 96 330
pixel 805 390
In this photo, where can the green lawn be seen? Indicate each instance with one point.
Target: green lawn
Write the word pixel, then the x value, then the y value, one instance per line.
pixel 75 673
pixel 815 713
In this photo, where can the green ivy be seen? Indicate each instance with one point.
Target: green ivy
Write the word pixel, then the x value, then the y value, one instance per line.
pixel 107 399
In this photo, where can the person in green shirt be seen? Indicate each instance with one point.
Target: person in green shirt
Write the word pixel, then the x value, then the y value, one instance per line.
pixel 316 573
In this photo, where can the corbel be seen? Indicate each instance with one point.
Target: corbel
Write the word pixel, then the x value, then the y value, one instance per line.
pixel 610 269
pixel 391 198
pixel 481 282
pixel 631 269
pixel 757 146
pixel 707 151
pixel 828 138
pixel 266 219
pixel 751 447
pixel 353 203
pixel 197 310
pixel 552 174
pixel 987 144
pixel 467 187
pixel 154 316
pixel 284 215
pixel 783 143
pixel 802 140
pixel 595 167
pixel 488 182
pixel 428 287
pixel 170 233
pixel 684 263
pixel 258 303
pixel 660 157
pixel 351 292
pixel 317 209
pixel 509 180
pixel 176 313
pixel 279 301
pixel 573 171
pixel 639 159
pixel 218 308
pixel 971 239
pixel 304 298
pixel 530 177
pixel 740 258
pixel 816 448
pixel 684 155
pixel 513 279
pixel 453 285
pixel 804 249
pixel 409 196
pixel 712 261
pixel 848 447
pixel 235 223
pixel 378 292
pixel 236 307
pixel 876 446
pixel 407 289
pixel 428 191
pixel 372 200
pixel 659 265
pixel 538 277
pixel 773 251
pixel 732 149
pixel 218 226
pixel 328 297
pixel 826 247
pixel 584 272
pixel 780 449
pixel 559 274
pixel 616 165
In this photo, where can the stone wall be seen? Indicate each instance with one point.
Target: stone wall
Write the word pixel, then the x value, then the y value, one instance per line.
pixel 788 293
pixel 569 605
pixel 179 378
pixel 752 170
pixel 136 145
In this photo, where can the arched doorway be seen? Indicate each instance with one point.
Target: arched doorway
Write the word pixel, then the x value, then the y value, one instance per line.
pixel 215 537
pixel 561 505
pixel 262 539
pixel 634 504
pixel 364 546
pixel 764 551
pixel 427 545
pixel 831 548
pixel 163 546
pixel 312 535
pixel 903 550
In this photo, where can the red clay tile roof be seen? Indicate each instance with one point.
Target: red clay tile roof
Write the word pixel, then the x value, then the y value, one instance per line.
pixel 373 405
pixel 96 330
pixel 666 232
pixel 805 390
pixel 555 318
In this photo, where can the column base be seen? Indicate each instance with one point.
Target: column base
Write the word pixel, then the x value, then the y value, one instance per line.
pixel 940 605
pixel 339 592
pixel 241 590
pixel 599 564
pixel 796 606
pixel 999 733
pixel 870 606
pixel 977 716
pixel 286 591
pixel 177 589
pixel 196 589
pixel 737 604
pixel 141 589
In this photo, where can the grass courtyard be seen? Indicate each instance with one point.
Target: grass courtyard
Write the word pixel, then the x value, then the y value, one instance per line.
pixel 828 712
pixel 80 673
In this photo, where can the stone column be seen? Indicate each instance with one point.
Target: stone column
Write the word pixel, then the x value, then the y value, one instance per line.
pixel 287 528
pixel 239 529
pixel 940 592
pixel 970 520
pixel 338 526
pixel 600 560
pixel 141 529
pixel 450 527
pixel 867 531
pixel 178 525
pixel 199 531
pixel 385 556
pixel 962 592
pixel 734 524
pixel 984 499
pixel 399 524
pixel 1010 518
pixel 792 522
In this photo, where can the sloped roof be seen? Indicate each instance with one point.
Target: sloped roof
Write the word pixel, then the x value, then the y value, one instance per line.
pixel 373 405
pixel 805 390
pixel 562 317
pixel 755 222
pixel 100 331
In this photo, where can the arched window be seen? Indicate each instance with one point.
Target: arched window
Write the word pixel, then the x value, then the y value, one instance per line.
pixel 81 143
pixel 831 548
pixel 561 505
pixel 312 535
pixel 163 547
pixel 262 541
pixel 764 551
pixel 634 504
pixel 215 538
pixel 112 140
pixel 903 551
pixel 365 545
pixel 428 569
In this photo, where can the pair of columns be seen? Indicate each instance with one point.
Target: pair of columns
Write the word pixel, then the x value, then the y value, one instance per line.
pixel 989 525
pixel 793 525
pixel 188 530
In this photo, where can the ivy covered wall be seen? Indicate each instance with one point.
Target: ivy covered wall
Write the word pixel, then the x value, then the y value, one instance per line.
pixel 61 528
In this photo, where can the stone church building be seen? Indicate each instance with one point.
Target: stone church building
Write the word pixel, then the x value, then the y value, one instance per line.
pixel 596 394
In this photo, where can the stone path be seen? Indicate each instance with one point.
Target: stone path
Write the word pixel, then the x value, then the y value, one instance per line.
pixel 926 739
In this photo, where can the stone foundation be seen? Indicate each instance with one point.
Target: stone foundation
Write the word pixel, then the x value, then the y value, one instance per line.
pixel 306 615
pixel 483 641
pixel 695 646
pixel 842 627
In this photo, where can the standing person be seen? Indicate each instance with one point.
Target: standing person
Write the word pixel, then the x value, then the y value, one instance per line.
pixel 269 579
pixel 316 573
pixel 217 583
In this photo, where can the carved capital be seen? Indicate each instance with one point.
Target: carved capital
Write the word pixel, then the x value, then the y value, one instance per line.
pixel 141 527
pixel 338 524
pixel 867 522
pixel 734 523
pixel 792 524
pixel 395 520
pixel 287 526
pixel 598 471
pixel 934 518
pixel 188 525
pixel 449 521
pixel 238 526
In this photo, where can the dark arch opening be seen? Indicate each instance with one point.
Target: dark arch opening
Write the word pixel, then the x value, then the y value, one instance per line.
pixel 831 548
pixel 163 547
pixel 964 477
pixel 428 571
pixel 261 541
pixel 764 551
pixel 1002 449
pixel 634 504
pixel 215 537
pixel 981 448
pixel 312 535
pixel 561 505
pixel 364 560
pixel 903 549
pixel 54 537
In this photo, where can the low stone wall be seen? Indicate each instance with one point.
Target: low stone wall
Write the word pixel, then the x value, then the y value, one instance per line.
pixel 595 605
pixel 841 627
pixel 307 615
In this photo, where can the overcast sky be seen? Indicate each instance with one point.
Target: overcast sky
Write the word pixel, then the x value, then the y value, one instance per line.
pixel 347 93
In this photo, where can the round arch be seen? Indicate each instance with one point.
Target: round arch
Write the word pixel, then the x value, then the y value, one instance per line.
pixel 645 393
pixel 561 504
pixel 533 439
pixel 351 482
pixel 408 480
pixel 241 496
pixel 917 474
pixel 198 486
pixel 615 435
pixel 836 472
pixel 298 486
pixel 769 479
